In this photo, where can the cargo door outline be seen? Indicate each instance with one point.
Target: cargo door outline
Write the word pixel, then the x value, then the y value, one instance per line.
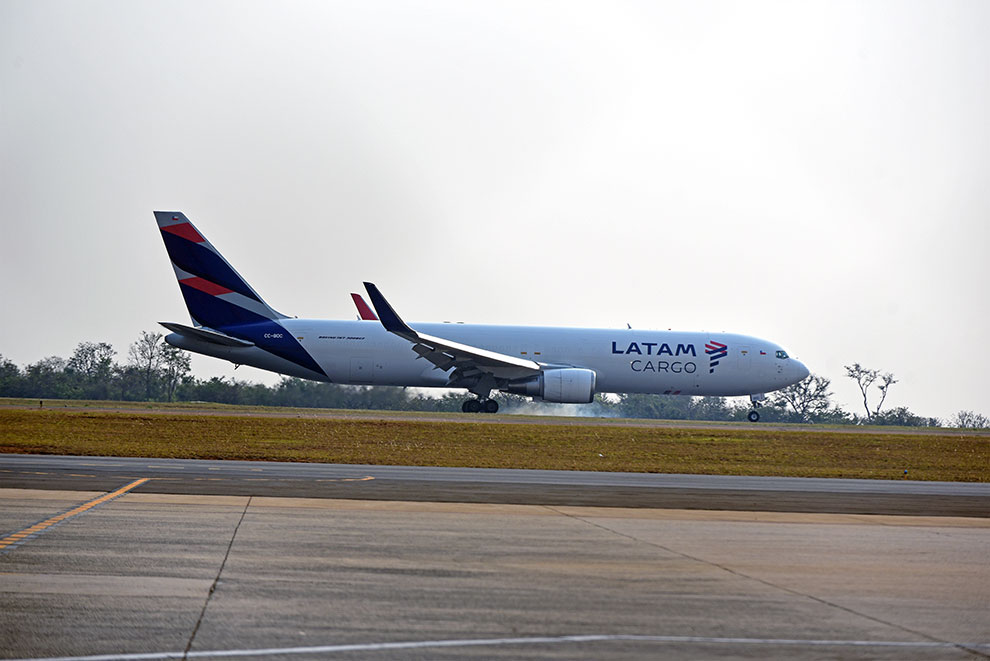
pixel 362 371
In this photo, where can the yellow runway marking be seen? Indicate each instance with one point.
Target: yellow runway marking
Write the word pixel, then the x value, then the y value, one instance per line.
pixel 17 538
pixel 348 479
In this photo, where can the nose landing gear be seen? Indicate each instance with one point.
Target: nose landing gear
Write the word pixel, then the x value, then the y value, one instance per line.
pixel 480 406
pixel 754 415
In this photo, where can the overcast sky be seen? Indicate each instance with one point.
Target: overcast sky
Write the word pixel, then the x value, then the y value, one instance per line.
pixel 813 173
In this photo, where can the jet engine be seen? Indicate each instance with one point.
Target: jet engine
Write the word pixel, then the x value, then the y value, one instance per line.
pixel 567 385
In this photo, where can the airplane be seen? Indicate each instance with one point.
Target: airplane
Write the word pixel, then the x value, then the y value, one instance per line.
pixel 232 322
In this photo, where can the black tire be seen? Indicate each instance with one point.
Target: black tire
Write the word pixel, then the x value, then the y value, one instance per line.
pixel 491 406
pixel 471 406
pixel 753 416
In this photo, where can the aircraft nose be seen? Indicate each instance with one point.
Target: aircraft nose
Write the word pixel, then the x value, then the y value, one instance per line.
pixel 800 371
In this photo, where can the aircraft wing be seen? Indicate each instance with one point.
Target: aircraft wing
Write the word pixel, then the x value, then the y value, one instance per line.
pixel 469 361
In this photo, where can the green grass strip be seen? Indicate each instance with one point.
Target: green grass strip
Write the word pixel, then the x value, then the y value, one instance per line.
pixel 572 446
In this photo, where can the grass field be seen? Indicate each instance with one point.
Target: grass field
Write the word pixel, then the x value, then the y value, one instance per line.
pixel 217 432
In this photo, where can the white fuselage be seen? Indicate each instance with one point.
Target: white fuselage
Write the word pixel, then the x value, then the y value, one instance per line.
pixel 625 361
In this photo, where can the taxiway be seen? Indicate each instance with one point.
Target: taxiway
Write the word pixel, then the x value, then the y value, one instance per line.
pixel 481 485
pixel 133 559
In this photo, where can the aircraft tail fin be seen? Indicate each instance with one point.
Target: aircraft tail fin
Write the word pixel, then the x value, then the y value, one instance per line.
pixel 215 294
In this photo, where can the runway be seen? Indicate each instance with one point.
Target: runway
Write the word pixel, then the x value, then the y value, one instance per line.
pixel 475 485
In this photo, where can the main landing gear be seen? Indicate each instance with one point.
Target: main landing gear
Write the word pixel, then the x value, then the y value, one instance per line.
pixel 754 415
pixel 480 406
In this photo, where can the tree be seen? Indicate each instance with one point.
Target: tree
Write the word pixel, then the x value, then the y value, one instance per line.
pixel 92 365
pixel 709 408
pixel 970 420
pixel 47 378
pixel 10 378
pixel 865 378
pixel 127 384
pixel 216 389
pixel 903 417
pixel 174 368
pixel 664 407
pixel 809 399
pixel 146 355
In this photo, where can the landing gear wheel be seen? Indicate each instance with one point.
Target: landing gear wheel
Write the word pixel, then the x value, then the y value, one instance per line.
pixel 471 406
pixel 491 406
pixel 753 416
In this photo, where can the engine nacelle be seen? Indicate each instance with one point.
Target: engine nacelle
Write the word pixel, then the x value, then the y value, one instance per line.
pixel 567 385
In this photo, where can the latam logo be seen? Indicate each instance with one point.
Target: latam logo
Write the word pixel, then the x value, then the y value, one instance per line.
pixel 715 351
pixel 654 349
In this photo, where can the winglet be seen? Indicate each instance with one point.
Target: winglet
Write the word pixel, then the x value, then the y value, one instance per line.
pixel 363 310
pixel 446 353
pixel 390 320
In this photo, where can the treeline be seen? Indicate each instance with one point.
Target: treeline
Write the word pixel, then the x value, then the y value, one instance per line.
pixel 156 371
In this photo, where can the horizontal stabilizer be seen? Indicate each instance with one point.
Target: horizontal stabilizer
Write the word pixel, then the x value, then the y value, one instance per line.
pixel 206 335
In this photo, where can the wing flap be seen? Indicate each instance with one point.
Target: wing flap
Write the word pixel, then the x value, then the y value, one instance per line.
pixel 481 357
pixel 444 353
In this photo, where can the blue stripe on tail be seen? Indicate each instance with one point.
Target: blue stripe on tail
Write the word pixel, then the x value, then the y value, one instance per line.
pixel 219 298
pixel 212 278
pixel 200 261
pixel 216 313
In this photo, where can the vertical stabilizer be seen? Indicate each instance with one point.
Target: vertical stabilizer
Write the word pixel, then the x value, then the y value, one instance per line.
pixel 215 294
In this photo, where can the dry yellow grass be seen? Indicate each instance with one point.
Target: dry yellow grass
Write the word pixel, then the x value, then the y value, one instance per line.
pixel 725 449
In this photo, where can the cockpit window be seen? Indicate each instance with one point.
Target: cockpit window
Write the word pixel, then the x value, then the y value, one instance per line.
pixel 781 354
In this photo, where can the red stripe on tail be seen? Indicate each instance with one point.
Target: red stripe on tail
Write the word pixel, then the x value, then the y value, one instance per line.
pixel 186 231
pixel 211 288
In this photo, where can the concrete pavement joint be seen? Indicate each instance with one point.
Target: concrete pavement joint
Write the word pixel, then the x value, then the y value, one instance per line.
pixel 797 593
pixel 213 587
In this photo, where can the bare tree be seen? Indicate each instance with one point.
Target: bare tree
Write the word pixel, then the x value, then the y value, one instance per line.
pixel 971 420
pixel 865 378
pixel 807 398
pixel 886 381
pixel 146 356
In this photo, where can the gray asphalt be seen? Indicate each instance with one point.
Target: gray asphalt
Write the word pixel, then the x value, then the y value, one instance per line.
pixel 478 485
